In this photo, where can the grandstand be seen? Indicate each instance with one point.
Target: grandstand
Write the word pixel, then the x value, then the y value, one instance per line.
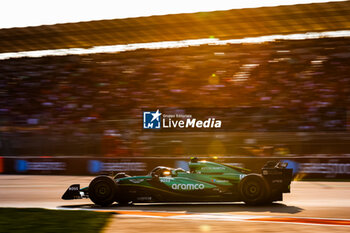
pixel 91 104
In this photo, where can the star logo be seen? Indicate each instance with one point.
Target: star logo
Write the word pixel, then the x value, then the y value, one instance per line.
pixel 156 115
pixel 151 120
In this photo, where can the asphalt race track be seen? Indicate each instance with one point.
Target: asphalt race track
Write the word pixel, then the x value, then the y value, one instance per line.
pixel 311 207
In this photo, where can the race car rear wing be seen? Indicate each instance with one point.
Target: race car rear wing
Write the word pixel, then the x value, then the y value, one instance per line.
pixel 278 175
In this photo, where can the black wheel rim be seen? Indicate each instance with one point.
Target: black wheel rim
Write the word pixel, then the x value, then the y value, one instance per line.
pixel 102 190
pixel 252 190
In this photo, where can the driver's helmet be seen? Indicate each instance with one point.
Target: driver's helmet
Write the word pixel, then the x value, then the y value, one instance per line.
pixel 194 160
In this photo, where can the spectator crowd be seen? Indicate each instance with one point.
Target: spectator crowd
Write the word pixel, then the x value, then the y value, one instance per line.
pixel 105 93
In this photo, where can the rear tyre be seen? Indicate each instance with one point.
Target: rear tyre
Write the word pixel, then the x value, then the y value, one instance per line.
pixel 103 190
pixel 254 190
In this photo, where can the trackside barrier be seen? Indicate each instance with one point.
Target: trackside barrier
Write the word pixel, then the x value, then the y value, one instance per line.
pixel 310 167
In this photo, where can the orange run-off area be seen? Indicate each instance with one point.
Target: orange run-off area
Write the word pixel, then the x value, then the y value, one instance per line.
pixel 232 217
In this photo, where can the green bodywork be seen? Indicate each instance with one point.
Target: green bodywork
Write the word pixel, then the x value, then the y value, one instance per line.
pixel 205 181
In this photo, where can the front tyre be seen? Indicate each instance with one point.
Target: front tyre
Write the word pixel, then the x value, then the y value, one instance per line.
pixel 103 190
pixel 254 190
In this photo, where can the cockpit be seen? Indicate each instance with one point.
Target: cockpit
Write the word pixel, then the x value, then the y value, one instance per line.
pixel 162 171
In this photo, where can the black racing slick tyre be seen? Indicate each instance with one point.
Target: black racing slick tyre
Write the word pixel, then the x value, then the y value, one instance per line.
pixel 103 190
pixel 254 190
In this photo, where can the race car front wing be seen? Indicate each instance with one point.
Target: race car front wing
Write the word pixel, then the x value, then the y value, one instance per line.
pixel 74 192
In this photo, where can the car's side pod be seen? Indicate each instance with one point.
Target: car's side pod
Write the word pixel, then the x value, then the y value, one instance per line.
pixel 73 192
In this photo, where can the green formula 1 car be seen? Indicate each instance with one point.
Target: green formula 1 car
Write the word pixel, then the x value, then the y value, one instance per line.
pixel 204 182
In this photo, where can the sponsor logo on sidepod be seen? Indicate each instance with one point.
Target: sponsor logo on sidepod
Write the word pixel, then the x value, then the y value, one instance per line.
pixel 187 186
